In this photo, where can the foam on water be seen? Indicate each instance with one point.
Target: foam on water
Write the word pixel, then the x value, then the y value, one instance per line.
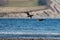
pixel 29 26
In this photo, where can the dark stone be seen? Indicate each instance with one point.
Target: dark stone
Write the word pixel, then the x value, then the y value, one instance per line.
pixel 42 2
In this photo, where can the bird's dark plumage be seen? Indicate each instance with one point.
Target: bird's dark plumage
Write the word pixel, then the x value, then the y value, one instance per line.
pixel 41 19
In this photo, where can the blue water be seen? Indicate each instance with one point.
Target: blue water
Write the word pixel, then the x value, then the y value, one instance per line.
pixel 29 26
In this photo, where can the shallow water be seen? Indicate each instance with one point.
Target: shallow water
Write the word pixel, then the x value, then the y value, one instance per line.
pixel 29 26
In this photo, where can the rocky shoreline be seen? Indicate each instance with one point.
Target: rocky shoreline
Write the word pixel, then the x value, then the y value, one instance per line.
pixel 30 14
pixel 27 39
pixel 51 10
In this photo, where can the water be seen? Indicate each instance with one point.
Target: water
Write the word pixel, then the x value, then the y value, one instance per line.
pixel 29 26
